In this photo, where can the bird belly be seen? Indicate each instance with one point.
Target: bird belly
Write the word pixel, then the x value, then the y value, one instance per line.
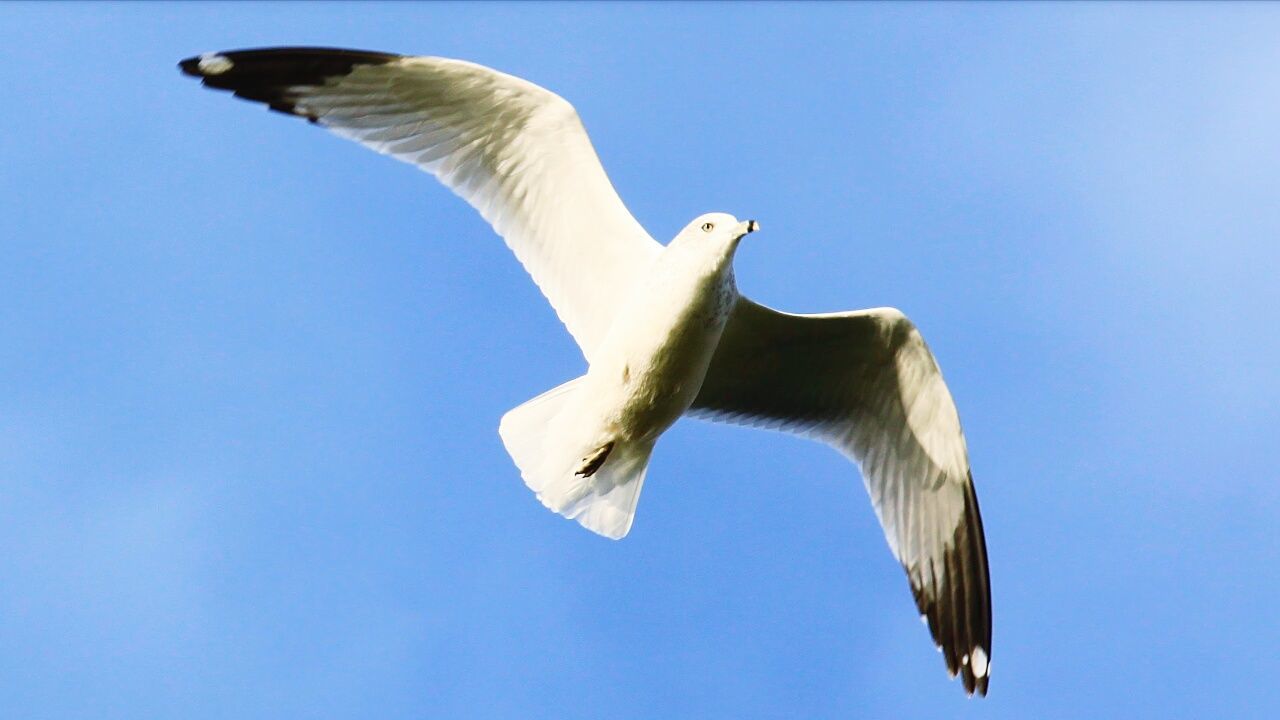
pixel 650 371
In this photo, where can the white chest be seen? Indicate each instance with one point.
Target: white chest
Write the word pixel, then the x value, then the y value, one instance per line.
pixel 653 361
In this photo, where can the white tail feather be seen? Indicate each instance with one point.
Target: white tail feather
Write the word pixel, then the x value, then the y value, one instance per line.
pixel 605 502
pixel 524 429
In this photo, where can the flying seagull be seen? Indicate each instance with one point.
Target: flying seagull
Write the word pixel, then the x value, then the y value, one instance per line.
pixel 663 328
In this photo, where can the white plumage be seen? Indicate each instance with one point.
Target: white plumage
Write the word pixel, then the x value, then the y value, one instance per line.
pixel 663 329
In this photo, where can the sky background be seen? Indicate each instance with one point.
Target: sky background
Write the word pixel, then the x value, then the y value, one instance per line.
pixel 251 374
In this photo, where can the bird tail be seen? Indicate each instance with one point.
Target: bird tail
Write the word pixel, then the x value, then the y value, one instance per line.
pixel 597 484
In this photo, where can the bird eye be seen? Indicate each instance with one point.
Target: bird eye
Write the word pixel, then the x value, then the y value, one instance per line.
pixel 708 227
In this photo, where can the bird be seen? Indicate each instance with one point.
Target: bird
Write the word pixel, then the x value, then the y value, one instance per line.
pixel 663 329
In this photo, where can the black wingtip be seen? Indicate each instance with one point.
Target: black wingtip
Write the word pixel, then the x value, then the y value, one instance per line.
pixel 955 601
pixel 272 76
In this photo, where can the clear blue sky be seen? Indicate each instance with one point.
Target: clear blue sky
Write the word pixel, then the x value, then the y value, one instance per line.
pixel 251 374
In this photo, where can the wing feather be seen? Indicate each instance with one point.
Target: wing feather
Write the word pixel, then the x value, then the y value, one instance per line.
pixel 516 152
pixel 866 383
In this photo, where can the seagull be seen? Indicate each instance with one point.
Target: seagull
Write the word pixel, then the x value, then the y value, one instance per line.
pixel 663 328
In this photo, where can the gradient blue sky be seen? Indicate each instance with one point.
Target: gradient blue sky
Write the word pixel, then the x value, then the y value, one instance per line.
pixel 251 374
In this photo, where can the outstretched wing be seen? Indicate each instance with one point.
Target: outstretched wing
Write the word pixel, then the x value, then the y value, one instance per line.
pixel 866 383
pixel 516 152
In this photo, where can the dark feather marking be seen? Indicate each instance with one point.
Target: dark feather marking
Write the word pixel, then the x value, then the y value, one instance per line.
pixel 271 75
pixel 957 604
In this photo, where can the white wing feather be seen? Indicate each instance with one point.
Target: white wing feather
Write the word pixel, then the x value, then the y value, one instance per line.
pixel 516 152
pixel 866 383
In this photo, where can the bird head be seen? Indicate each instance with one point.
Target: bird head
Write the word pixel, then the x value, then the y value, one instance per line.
pixel 714 233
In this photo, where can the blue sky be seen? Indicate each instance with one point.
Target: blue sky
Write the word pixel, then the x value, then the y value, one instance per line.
pixel 250 374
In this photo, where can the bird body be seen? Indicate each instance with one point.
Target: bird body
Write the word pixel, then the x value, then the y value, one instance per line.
pixel 659 347
pixel 663 328
pixel 587 460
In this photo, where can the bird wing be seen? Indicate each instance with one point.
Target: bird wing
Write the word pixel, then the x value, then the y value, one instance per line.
pixel 866 383
pixel 516 152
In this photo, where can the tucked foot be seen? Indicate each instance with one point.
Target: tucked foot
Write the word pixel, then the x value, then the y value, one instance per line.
pixel 592 462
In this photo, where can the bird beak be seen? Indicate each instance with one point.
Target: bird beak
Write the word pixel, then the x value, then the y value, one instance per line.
pixel 747 226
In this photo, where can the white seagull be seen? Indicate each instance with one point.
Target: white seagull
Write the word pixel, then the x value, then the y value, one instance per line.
pixel 664 330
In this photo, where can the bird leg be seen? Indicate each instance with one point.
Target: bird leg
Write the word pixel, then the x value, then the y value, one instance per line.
pixel 593 462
